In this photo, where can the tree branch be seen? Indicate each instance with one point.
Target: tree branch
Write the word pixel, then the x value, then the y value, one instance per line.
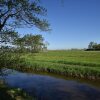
pixel 5 20
pixel 3 14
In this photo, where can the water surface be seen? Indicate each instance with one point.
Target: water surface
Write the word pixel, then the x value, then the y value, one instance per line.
pixel 46 87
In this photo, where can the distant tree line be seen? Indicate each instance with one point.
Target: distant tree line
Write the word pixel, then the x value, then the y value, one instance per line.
pixel 10 40
pixel 93 46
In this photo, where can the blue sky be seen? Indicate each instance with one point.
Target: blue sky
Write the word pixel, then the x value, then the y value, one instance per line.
pixel 74 23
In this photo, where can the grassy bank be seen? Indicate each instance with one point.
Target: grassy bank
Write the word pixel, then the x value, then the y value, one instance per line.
pixel 82 64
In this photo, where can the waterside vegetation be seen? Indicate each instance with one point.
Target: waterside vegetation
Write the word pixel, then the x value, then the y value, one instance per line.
pixel 30 53
pixel 7 93
pixel 81 64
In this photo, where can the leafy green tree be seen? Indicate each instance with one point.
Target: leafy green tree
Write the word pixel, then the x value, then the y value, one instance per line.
pixel 28 41
pixel 7 57
pixel 8 36
pixel 20 13
pixel 37 43
pixel 34 42
pixel 91 44
pixel 20 43
pixel 96 47
pixel 6 40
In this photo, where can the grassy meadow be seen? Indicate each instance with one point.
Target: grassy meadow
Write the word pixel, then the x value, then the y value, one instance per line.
pixel 76 63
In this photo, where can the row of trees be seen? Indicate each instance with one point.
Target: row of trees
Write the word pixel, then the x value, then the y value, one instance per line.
pixel 12 41
pixel 93 46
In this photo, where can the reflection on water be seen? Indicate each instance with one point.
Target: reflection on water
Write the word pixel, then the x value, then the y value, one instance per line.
pixel 51 88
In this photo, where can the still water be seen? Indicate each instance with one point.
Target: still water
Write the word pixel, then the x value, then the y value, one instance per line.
pixel 46 87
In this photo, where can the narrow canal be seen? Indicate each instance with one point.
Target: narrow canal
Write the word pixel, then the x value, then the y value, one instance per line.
pixel 45 87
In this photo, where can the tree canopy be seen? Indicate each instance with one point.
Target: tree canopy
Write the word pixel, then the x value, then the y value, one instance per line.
pixel 20 13
pixel 93 46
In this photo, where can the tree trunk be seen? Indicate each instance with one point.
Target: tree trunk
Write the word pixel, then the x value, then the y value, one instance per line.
pixel 1 27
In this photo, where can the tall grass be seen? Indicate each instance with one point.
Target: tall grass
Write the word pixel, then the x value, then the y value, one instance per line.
pixel 83 64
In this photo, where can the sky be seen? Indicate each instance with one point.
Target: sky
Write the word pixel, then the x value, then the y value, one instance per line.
pixel 74 23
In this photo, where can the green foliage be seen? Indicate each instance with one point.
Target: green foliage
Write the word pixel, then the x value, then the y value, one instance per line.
pixel 30 43
pixel 35 42
pixel 82 64
pixel 96 47
pixel 14 94
pixel 10 59
pixel 18 13
pixel 8 37
pixel 12 46
pixel 93 46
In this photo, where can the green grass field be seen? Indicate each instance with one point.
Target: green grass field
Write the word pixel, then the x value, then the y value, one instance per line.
pixel 84 64
pixel 74 57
